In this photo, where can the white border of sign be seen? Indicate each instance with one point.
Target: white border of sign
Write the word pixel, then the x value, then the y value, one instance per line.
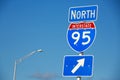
pixel 90 44
pixel 80 7
pixel 78 76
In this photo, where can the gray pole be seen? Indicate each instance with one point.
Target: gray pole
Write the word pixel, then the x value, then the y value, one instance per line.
pixel 79 78
pixel 21 59
pixel 14 75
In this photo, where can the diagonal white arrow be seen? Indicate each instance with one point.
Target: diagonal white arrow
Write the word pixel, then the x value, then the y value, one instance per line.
pixel 80 63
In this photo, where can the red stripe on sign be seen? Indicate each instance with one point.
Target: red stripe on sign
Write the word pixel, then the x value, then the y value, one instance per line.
pixel 82 25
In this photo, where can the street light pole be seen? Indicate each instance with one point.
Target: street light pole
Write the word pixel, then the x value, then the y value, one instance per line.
pixel 14 75
pixel 21 59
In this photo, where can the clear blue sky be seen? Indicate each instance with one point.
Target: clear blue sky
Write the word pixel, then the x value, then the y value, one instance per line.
pixel 27 25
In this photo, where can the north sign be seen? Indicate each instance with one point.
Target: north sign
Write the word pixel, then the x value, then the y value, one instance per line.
pixel 83 13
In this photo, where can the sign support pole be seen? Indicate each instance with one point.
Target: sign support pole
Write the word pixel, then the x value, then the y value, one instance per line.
pixel 79 78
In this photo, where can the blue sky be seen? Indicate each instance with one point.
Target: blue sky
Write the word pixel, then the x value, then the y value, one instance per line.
pixel 27 25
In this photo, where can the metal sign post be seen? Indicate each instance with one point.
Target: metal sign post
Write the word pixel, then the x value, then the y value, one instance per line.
pixel 79 78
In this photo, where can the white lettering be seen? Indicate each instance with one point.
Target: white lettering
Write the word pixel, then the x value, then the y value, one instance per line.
pixel 84 14
pixel 78 15
pixel 73 14
pixel 92 14
pixel 88 13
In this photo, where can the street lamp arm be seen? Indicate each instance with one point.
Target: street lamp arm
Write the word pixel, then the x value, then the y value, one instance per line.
pixel 28 55
pixel 24 57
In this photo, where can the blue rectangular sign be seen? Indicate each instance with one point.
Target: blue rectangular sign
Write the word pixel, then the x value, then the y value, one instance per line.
pixel 78 65
pixel 83 13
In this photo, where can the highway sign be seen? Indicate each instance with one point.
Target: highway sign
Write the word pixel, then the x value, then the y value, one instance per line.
pixel 83 13
pixel 76 65
pixel 81 35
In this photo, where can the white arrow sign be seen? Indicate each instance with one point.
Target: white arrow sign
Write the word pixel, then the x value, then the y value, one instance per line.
pixel 80 63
